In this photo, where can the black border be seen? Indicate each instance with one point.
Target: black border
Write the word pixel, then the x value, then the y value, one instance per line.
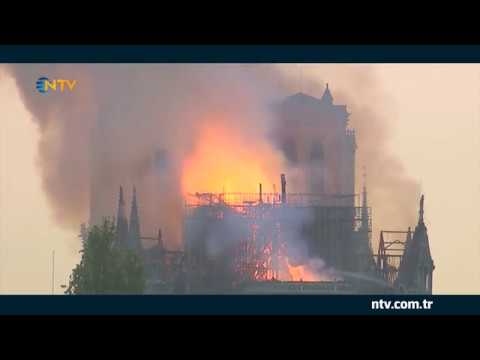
pixel 307 29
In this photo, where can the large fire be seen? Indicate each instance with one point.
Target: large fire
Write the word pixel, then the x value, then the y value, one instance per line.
pixel 224 161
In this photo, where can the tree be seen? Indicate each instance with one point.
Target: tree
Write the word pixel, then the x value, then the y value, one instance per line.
pixel 106 268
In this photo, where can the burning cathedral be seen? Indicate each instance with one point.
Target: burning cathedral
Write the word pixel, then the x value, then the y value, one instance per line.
pixel 318 241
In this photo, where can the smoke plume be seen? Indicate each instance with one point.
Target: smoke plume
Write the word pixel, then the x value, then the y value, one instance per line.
pixel 393 194
pixel 144 125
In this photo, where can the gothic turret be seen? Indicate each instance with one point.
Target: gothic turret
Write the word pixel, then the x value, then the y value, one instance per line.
pixel 363 254
pixel 327 96
pixel 122 222
pixel 415 274
pixel 365 215
pixel 134 228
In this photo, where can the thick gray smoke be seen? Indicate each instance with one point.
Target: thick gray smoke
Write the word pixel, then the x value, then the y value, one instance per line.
pixel 135 124
pixel 393 194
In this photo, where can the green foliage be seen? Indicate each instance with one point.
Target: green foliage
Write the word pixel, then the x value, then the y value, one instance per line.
pixel 106 268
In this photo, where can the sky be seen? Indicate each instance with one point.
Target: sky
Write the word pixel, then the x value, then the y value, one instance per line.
pixel 434 121
pixel 28 233
pixel 436 133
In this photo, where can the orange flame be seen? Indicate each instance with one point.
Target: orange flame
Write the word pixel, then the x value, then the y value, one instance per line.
pixel 225 161
pixel 302 273
pixel 309 271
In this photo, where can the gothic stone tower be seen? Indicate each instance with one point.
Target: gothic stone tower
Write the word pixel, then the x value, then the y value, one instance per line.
pixel 314 137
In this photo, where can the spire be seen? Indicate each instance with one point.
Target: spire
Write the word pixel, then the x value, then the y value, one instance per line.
pixel 122 224
pixel 121 206
pixel 327 96
pixel 134 229
pixel 420 213
pixel 364 202
pixel 416 267
pixel 364 191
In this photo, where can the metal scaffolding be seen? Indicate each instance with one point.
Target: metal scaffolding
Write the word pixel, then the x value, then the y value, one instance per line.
pixel 390 252
pixel 259 253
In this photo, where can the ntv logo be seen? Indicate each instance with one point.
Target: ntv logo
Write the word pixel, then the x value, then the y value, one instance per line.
pixel 44 85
